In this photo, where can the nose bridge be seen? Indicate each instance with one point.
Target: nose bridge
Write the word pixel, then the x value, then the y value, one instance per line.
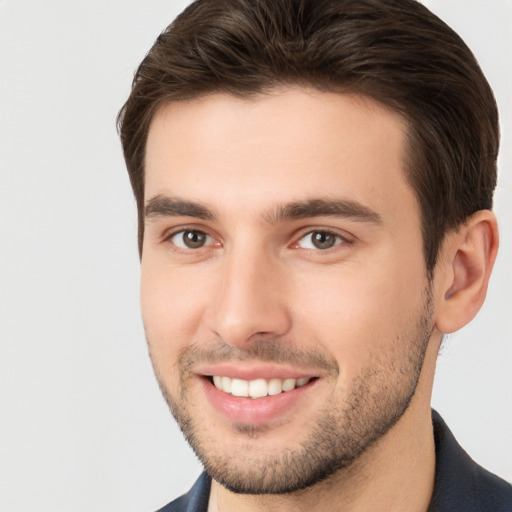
pixel 251 295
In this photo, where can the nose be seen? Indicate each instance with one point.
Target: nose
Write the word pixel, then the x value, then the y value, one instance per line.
pixel 251 300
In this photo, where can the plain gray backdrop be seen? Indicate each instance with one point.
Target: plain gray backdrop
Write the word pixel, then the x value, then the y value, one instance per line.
pixel 82 425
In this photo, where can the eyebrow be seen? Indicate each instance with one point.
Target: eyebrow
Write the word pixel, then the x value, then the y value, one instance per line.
pixel 339 208
pixel 165 206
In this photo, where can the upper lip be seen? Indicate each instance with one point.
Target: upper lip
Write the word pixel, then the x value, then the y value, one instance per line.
pixel 250 372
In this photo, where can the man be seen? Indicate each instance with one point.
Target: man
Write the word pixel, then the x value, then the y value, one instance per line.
pixel 314 182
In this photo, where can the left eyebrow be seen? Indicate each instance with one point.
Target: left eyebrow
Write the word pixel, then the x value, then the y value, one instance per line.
pixel 339 208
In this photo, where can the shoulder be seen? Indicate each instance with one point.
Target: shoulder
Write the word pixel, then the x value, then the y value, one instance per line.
pixel 492 492
pixel 195 500
pixel 460 483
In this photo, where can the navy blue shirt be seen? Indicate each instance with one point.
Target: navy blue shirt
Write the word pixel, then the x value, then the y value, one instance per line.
pixel 461 485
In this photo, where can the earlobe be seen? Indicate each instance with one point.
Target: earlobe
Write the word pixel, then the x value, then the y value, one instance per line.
pixel 467 262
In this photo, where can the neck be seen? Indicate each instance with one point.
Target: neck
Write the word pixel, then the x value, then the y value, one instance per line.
pixel 396 473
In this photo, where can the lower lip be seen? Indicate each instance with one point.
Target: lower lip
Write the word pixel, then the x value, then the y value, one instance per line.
pixel 254 411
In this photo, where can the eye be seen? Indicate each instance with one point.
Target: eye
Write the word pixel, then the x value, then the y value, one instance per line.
pixel 190 239
pixel 320 240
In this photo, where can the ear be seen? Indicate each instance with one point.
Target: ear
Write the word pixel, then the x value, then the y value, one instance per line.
pixel 465 267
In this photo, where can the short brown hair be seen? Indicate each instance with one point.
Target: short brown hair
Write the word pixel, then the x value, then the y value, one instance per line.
pixel 395 51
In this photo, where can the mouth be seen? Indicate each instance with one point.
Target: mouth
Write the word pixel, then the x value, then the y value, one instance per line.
pixel 257 388
pixel 255 395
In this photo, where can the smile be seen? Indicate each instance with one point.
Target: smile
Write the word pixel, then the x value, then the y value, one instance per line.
pixel 257 388
pixel 254 393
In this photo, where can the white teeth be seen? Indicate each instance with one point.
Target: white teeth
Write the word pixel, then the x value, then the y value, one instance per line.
pixel 257 388
pixel 226 384
pixel 289 384
pixel 275 387
pixel 302 381
pixel 239 387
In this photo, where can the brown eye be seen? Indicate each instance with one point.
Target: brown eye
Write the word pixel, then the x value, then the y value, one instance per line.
pixel 190 239
pixel 320 240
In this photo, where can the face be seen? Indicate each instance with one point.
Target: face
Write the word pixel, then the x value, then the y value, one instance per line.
pixel 284 291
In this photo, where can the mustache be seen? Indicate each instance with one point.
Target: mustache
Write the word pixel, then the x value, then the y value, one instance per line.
pixel 268 351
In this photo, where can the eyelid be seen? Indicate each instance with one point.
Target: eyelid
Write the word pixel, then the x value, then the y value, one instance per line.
pixel 344 237
pixel 172 232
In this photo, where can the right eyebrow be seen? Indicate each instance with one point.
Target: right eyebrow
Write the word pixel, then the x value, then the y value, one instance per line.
pixel 165 206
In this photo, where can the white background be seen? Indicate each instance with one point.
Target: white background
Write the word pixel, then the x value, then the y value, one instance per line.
pixel 82 425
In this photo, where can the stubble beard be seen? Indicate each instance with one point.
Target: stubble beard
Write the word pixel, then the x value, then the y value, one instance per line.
pixel 346 427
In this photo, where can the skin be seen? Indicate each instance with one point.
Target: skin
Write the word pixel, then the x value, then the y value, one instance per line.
pixel 360 316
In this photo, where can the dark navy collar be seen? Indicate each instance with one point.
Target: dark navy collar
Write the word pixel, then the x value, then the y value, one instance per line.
pixel 461 484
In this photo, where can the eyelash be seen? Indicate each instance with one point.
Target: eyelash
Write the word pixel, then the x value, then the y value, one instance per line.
pixel 169 238
pixel 338 240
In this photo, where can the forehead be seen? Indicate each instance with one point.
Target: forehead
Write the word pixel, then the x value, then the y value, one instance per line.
pixel 283 146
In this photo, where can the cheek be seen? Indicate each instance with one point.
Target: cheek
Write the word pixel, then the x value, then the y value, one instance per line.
pixel 171 308
pixel 359 314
